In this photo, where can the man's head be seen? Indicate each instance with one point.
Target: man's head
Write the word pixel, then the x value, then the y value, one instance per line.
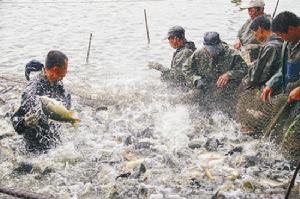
pixel 212 43
pixel 261 27
pixel 287 26
pixel 255 8
pixel 176 36
pixel 56 66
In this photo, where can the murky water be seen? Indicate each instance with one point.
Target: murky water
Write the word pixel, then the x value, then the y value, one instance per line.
pixel 149 143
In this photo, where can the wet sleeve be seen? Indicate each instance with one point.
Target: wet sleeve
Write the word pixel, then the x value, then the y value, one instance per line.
pixel 30 104
pixel 190 71
pixel 276 80
pixel 264 65
pixel 238 68
pixel 176 69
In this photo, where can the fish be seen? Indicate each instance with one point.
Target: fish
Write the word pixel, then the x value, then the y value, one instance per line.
pixel 58 111
pixel 255 114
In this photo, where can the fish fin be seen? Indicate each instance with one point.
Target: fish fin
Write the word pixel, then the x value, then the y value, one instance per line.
pixel 75 123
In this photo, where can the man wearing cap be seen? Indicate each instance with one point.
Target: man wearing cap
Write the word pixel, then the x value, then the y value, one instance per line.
pixel 184 49
pixel 245 37
pixel 216 70
pixel 268 60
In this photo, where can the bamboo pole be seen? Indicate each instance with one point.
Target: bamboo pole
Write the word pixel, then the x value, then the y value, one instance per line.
pixel 275 9
pixel 292 181
pixel 147 29
pixel 88 51
pixel 23 194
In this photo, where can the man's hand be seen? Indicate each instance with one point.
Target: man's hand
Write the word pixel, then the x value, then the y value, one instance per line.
pixel 266 93
pixel 294 95
pixel 223 80
pixel 252 46
pixel 155 65
pixel 31 119
pixel 237 44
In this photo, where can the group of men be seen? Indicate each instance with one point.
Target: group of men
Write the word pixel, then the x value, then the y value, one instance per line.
pixel 216 71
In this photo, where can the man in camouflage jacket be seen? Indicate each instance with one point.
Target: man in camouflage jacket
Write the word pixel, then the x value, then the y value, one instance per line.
pixel 216 70
pixel 184 49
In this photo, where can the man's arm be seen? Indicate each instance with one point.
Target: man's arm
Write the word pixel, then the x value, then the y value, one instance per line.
pixel 190 71
pixel 238 67
pixel 30 113
pixel 176 71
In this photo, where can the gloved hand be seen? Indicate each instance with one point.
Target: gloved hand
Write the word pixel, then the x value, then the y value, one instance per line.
pixel 31 119
pixel 155 65
pixel 200 84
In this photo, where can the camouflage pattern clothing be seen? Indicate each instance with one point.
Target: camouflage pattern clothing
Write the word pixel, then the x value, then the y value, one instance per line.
pixel 174 75
pixel 246 37
pixel 200 66
pixel 267 63
pixel 44 134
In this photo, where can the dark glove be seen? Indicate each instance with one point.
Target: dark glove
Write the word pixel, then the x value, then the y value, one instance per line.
pixel 33 65
pixel 200 84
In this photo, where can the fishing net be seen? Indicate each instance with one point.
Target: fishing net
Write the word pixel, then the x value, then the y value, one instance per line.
pixel 253 114
pixel 291 139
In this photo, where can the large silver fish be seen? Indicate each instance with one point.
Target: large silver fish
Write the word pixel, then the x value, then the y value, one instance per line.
pixel 58 112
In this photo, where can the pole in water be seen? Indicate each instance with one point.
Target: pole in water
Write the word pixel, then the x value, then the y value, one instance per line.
pixel 20 193
pixel 292 181
pixel 88 51
pixel 275 9
pixel 147 29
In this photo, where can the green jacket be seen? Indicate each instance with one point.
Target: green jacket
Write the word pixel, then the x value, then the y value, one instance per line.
pixel 201 66
pixel 267 63
pixel 181 54
pixel 289 52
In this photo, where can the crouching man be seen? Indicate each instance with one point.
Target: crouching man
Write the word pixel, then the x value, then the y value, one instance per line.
pixel 216 71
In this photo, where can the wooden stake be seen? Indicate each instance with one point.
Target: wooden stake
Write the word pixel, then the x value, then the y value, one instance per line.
pixel 275 9
pixel 22 193
pixel 88 51
pixel 147 29
pixel 292 181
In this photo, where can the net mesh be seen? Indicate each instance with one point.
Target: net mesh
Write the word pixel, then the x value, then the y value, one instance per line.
pixel 255 115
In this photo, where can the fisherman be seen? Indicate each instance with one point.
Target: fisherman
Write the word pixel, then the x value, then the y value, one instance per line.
pixel 29 120
pixel 245 38
pixel 268 61
pixel 216 70
pixel 287 26
pixel 184 49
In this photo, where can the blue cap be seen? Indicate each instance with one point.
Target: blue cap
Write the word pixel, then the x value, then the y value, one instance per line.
pixel 212 43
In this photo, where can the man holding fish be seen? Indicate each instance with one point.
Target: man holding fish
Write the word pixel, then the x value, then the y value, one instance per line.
pixel 44 98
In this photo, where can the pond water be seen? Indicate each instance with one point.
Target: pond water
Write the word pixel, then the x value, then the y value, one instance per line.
pixel 147 129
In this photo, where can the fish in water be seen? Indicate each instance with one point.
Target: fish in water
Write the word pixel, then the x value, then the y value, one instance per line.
pixel 58 112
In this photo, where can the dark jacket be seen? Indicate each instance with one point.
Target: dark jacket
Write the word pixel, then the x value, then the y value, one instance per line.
pixel 267 63
pixel 44 134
